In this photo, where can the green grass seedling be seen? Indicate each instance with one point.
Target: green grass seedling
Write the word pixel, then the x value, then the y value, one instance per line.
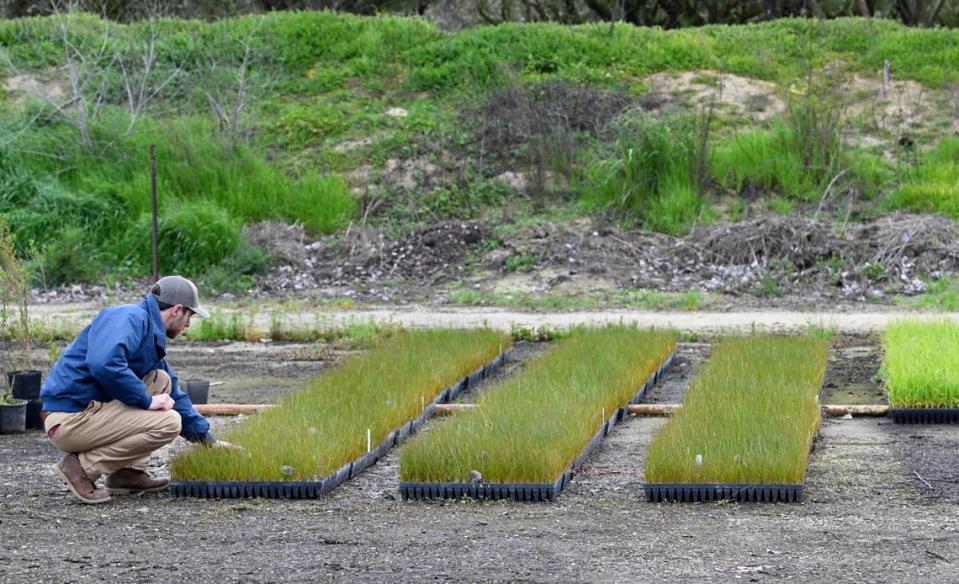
pixel 920 367
pixel 318 429
pixel 749 418
pixel 532 426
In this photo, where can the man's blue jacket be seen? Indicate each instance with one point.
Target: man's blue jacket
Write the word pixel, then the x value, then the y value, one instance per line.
pixel 107 361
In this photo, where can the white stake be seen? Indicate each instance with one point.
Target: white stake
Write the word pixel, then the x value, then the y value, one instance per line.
pixel 422 404
pixel 369 440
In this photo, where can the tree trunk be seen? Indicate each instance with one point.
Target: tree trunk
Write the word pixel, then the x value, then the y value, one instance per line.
pixel 772 9
pixel 934 14
pixel 909 12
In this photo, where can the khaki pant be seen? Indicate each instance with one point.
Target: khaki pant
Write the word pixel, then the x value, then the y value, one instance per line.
pixel 111 435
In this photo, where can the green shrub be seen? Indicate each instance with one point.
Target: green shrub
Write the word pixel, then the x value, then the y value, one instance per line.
pixel 750 417
pixel 920 366
pixel 70 258
pixel 649 174
pixel 193 236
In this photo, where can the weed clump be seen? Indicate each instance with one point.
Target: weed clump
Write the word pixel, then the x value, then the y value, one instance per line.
pixel 651 173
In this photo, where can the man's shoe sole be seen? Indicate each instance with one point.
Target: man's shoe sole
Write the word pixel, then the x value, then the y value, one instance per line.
pixel 63 477
pixel 137 491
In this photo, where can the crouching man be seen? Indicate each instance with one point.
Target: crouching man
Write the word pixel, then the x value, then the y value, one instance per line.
pixel 111 400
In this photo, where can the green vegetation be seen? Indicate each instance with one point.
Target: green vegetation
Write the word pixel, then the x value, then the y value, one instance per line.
pixel 651 173
pixel 766 160
pixel 264 117
pixel 933 185
pixel 750 417
pixel 15 323
pixel 238 327
pixel 532 426
pixel 941 294
pixel 94 217
pixel 7 399
pixel 552 301
pixel 920 366
pixel 316 430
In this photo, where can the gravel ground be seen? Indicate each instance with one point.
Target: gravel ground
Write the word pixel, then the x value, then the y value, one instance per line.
pixel 880 506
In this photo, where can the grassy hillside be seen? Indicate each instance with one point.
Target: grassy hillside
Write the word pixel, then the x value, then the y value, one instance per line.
pixel 322 119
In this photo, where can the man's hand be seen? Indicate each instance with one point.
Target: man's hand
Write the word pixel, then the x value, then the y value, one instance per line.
pixel 161 402
pixel 228 445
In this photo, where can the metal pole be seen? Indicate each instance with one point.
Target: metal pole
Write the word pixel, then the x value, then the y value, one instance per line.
pixel 153 203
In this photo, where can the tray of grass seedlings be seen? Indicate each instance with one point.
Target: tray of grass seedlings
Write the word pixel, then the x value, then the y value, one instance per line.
pixel 527 435
pixel 746 427
pixel 920 371
pixel 343 421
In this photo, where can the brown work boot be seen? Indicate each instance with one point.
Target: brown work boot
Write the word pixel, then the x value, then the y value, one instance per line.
pixel 72 475
pixel 128 481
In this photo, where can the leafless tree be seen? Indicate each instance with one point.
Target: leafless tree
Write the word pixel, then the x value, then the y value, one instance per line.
pixel 138 69
pixel 84 69
pixel 229 87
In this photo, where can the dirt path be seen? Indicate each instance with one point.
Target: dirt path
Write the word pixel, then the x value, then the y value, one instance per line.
pixel 430 316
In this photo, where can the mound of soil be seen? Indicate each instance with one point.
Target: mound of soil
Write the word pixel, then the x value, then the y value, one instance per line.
pixel 761 257
pixel 366 261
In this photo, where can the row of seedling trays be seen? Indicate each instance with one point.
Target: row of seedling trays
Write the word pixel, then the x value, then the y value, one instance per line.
pixel 745 430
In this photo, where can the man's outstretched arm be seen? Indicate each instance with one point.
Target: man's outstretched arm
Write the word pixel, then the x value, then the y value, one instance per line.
pixel 194 427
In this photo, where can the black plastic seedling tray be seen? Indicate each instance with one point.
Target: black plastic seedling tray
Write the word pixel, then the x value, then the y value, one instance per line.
pixel 925 415
pixel 704 493
pixel 530 491
pixel 710 492
pixel 321 486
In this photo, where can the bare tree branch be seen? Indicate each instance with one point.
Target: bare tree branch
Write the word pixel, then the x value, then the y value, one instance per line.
pixel 935 13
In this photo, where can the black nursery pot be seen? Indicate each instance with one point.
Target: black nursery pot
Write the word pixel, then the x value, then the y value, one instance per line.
pixel 13 417
pixel 198 390
pixel 24 384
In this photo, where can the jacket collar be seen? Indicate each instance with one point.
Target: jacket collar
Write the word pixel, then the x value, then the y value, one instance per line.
pixel 156 321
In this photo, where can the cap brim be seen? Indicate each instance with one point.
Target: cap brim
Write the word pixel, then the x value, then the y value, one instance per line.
pixel 200 312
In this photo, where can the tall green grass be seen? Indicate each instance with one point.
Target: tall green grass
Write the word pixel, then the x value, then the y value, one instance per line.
pixel 532 426
pixel 750 417
pixel 316 430
pixel 650 173
pixel 90 211
pixel 768 160
pixel 933 185
pixel 920 366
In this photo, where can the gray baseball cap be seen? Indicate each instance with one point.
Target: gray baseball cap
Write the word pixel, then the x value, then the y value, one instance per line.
pixel 178 290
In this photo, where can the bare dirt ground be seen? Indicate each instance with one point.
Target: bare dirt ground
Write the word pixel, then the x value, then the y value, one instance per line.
pixel 880 506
